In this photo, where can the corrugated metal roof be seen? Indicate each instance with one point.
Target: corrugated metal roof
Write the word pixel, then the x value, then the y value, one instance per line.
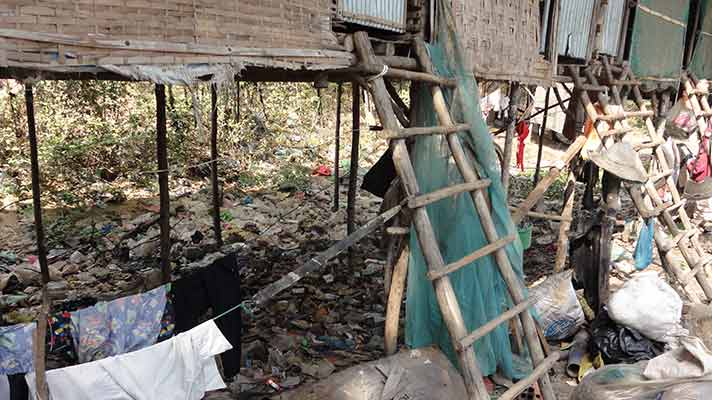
pixel 383 14
pixel 612 26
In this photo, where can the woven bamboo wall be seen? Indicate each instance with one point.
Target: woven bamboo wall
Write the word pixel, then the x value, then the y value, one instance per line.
pixel 501 38
pixel 95 32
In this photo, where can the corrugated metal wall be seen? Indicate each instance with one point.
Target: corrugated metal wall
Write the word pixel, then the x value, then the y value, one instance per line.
pixel 701 63
pixel 574 27
pixel 383 14
pixel 612 26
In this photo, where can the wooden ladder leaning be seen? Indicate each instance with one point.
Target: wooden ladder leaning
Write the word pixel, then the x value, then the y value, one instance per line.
pixel 645 196
pixel 463 341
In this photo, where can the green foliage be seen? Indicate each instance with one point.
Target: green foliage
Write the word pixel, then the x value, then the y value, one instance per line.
pixel 98 137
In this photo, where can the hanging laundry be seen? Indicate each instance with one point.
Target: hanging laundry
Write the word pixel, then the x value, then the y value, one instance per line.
pixel 181 368
pixel 119 326
pixel 699 167
pixel 215 288
pixel 16 348
pixel 522 134
pixel 16 387
pixel 644 247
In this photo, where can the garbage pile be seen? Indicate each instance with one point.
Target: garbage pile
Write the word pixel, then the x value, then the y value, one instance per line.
pixel 326 322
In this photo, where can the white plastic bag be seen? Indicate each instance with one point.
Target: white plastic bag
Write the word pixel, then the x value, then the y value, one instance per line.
pixel 649 305
pixel 559 311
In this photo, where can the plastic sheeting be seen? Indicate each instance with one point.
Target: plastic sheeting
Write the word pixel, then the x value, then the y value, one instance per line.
pixel 480 290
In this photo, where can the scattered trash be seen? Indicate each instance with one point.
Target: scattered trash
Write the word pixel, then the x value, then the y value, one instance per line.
pixel 691 360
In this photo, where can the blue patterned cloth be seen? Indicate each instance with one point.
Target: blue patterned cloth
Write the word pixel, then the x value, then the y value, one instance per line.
pixel 16 348
pixel 119 326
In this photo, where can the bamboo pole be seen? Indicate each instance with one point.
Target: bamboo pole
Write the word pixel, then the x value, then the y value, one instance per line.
pixel 337 147
pixel 509 139
pixel 162 156
pixel 217 200
pixel 353 167
pixel 515 286
pixel 444 291
pixel 542 131
pixel 40 332
pixel 395 298
pixel 562 247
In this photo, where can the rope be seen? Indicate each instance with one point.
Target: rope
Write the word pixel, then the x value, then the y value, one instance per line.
pixel 381 74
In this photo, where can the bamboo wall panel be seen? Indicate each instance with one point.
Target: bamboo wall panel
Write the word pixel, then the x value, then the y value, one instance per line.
pixel 145 31
pixel 501 38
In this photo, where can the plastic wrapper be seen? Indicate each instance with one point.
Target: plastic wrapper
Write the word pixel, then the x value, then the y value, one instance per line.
pixel 620 344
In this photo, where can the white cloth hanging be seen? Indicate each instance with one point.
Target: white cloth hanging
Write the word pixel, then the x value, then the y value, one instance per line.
pixel 181 368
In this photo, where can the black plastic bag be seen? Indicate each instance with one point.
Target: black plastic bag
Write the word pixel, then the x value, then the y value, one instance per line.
pixel 620 344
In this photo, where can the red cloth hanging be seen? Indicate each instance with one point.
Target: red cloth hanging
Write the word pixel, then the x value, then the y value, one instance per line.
pixel 522 134
pixel 699 167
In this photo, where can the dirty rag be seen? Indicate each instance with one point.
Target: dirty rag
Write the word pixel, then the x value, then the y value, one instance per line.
pixel 181 368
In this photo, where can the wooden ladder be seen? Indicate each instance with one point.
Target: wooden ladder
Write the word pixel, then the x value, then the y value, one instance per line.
pixel 463 341
pixel 645 196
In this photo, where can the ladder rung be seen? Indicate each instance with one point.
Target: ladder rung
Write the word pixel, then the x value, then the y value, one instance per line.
pixel 699 266
pixel 429 198
pixel 428 130
pixel 540 370
pixel 592 88
pixel 551 217
pixel 677 205
pixel 684 235
pixel 493 324
pixel 662 175
pixel 619 82
pixel 705 114
pixel 659 209
pixel 617 131
pixel 477 254
pixel 624 115
pixel 648 145
pixel 397 230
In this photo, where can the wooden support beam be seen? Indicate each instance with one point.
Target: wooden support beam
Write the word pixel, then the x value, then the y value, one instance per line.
pixel 40 332
pixel 509 139
pixel 542 131
pixel 425 131
pixel 162 155
pixel 337 147
pixel 268 292
pixel 540 371
pixel 562 246
pixel 402 74
pixel 625 115
pixel 217 199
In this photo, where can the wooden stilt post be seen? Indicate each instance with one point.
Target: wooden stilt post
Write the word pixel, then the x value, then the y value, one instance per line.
pixel 353 170
pixel 395 298
pixel 542 131
pixel 217 199
pixel 337 147
pixel 39 347
pixel 509 139
pixel 162 155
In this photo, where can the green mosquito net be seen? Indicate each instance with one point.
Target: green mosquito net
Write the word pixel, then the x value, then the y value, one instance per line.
pixel 480 290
